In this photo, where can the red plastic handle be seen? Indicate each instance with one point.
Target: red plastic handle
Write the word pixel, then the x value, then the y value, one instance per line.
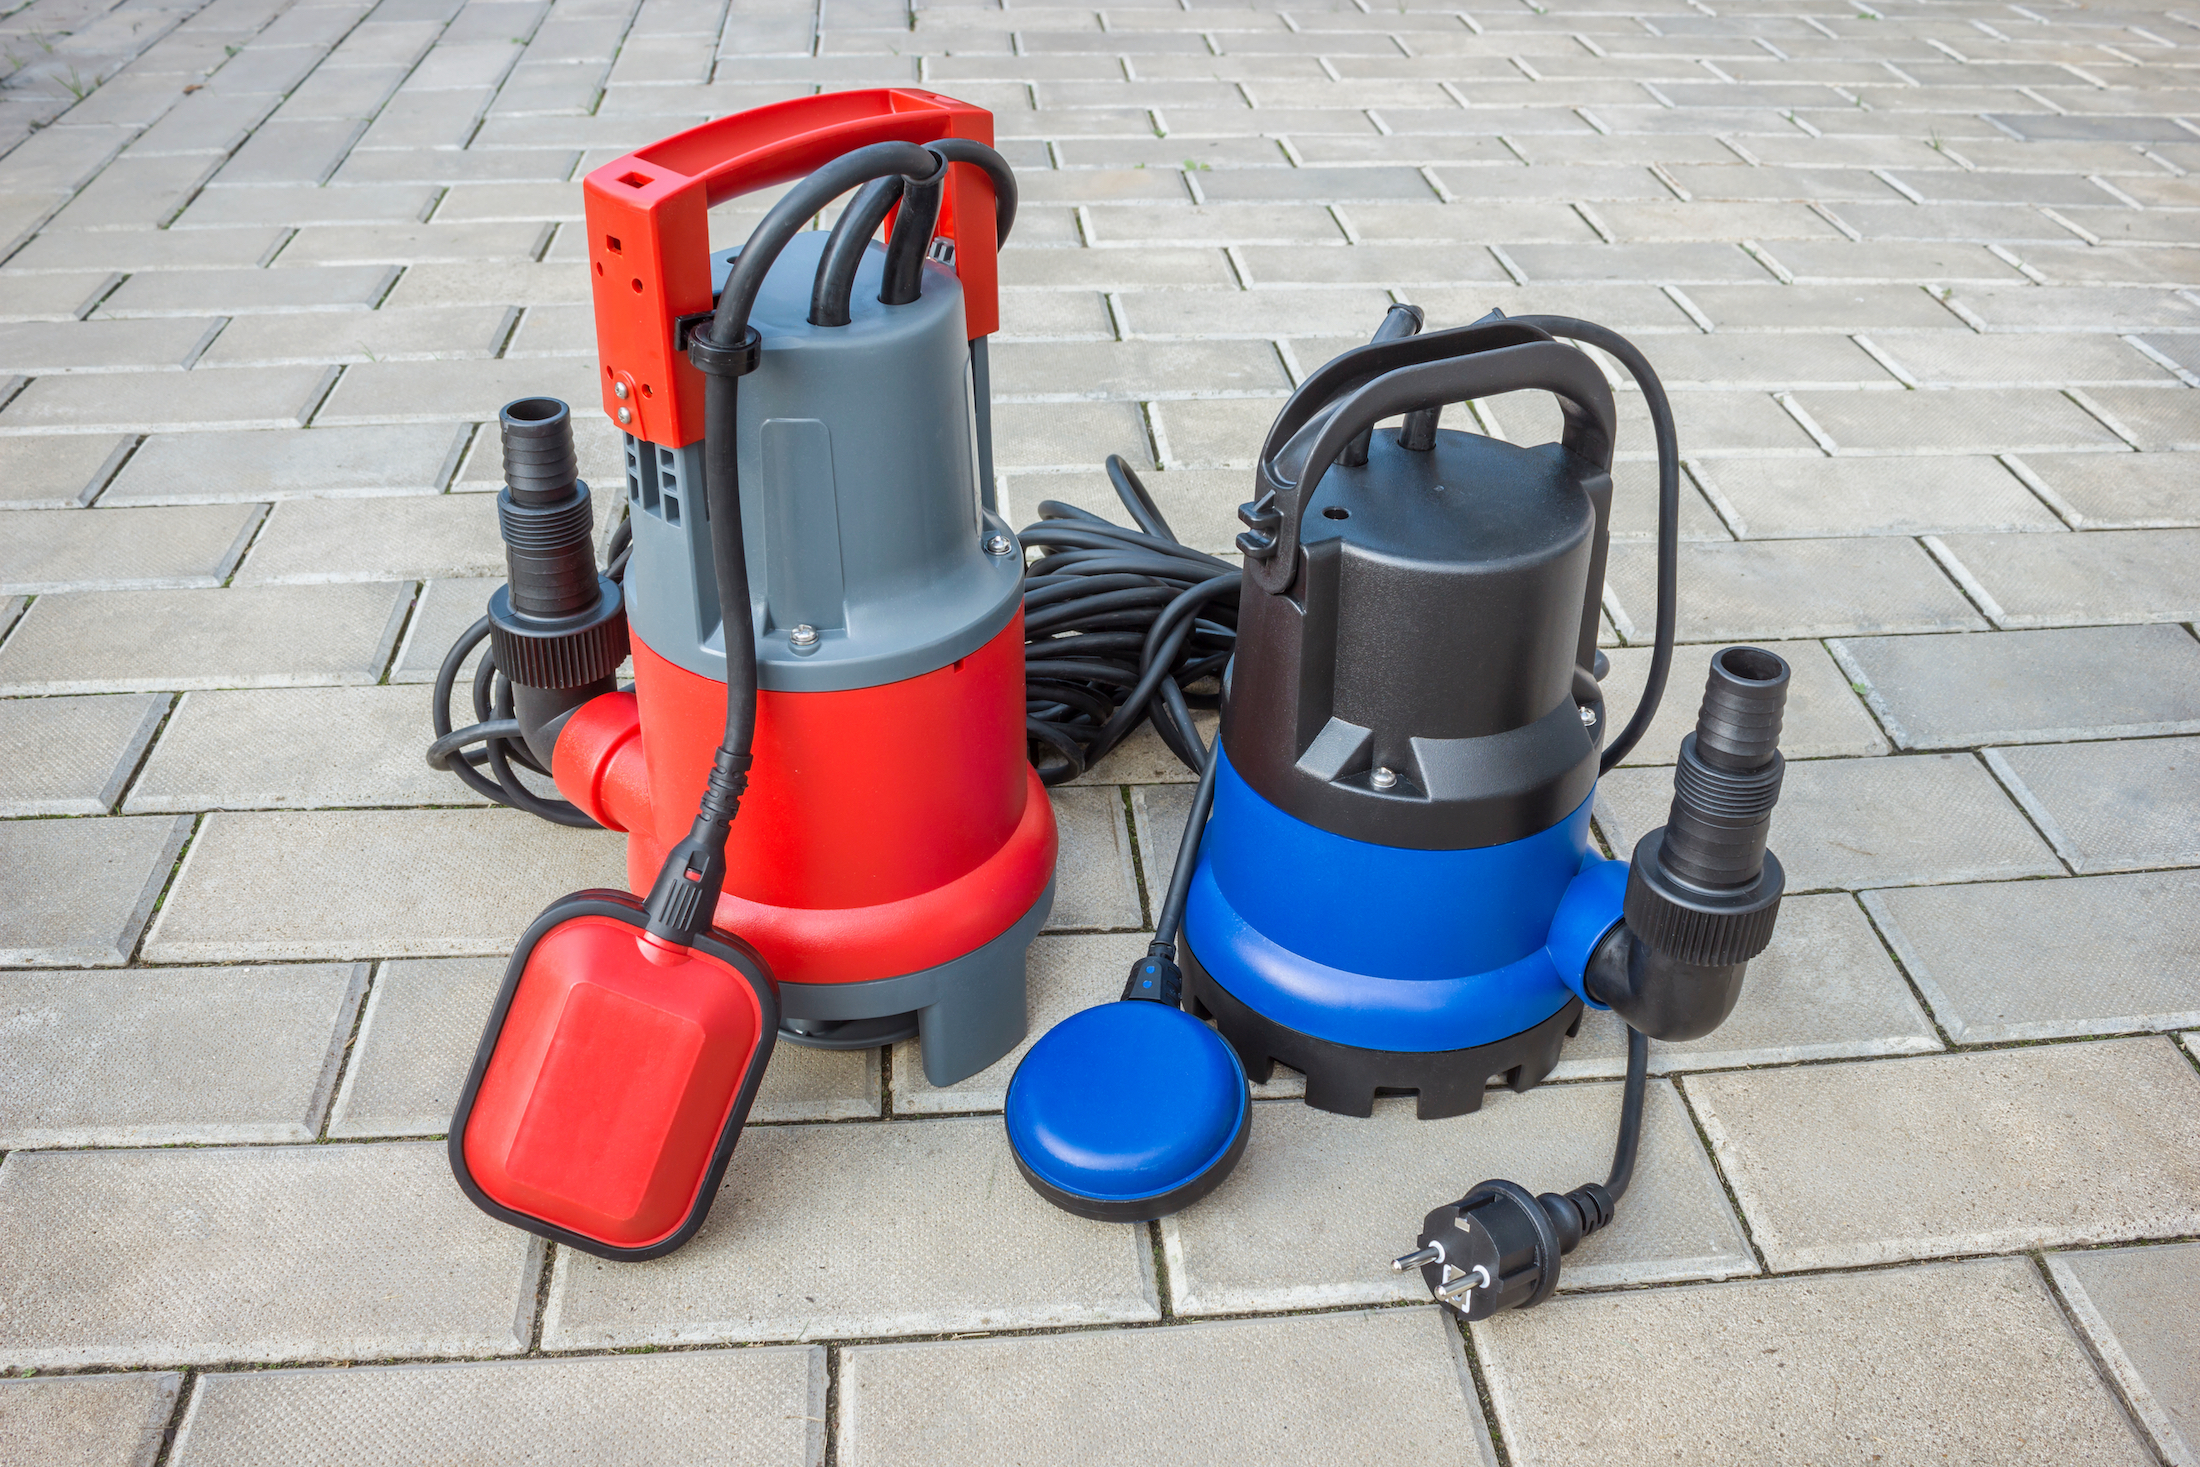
pixel 649 233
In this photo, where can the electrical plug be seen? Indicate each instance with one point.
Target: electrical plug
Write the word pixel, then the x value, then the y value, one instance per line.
pixel 1498 1247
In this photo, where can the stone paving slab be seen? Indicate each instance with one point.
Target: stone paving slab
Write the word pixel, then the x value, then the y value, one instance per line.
pixel 1845 1165
pixel 2050 580
pixel 2118 491
pixel 1784 589
pixel 87 1420
pixel 2045 686
pixel 1802 498
pixel 64 473
pixel 423 1021
pixel 1094 886
pixel 754 1408
pixel 253 1253
pixel 199 468
pixel 1387 1385
pixel 1320 1203
pixel 1823 717
pixel 261 636
pixel 383 539
pixel 124 549
pixel 2140 1310
pixel 445 610
pixel 2049 959
pixel 361 883
pixel 295 748
pixel 1824 989
pixel 82 890
pixel 72 756
pixel 121 402
pixel 1964 1363
pixel 2110 806
pixel 954 1240
pixel 168 1056
pixel 1863 822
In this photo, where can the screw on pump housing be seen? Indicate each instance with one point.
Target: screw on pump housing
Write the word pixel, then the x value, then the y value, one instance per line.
pixel 1702 890
pixel 557 628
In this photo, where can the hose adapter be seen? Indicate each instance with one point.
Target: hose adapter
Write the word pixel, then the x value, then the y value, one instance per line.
pixel 1702 890
pixel 557 627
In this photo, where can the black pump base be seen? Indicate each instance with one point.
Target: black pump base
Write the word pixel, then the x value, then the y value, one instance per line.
pixel 1345 1080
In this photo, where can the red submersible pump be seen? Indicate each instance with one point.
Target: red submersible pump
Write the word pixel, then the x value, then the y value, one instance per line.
pixel 808 466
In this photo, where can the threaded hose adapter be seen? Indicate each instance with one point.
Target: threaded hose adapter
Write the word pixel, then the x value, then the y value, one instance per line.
pixel 1703 892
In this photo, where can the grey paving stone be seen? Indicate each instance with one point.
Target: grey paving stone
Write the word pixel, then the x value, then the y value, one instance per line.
pixel 201 468
pixel 2116 576
pixel 247 292
pixel 423 1021
pixel 354 883
pixel 2002 420
pixel 412 537
pixel 257 636
pixel 1769 359
pixel 755 1408
pixel 1989 1152
pixel 1093 882
pixel 2119 491
pixel 1848 823
pixel 1823 717
pixel 58 296
pixel 1954 692
pixel 155 252
pixel 2110 806
pixel 1824 989
pixel 82 889
pixel 156 1057
pixel 1085 370
pixel 72 756
pixel 1320 1203
pixel 1789 498
pixel 2049 959
pixel 1946 359
pixel 1771 307
pixel 1384 1386
pixel 123 549
pixel 58 473
pixel 955 1240
pixel 292 205
pixel 295 748
pixel 2139 1308
pixel 1065 974
pixel 424 392
pixel 446 608
pixel 87 1420
pixel 41 348
pixel 1963 1362
pixel 2154 419
pixel 2073 308
pixel 432 334
pixel 1791 588
pixel 254 1253
pixel 117 402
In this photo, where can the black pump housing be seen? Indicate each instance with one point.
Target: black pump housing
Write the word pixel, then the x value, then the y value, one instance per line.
pixel 1419 679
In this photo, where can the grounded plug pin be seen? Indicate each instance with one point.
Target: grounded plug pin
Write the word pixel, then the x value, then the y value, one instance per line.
pixel 1418 1258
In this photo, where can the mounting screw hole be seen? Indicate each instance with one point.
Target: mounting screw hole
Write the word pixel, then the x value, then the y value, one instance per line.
pixel 1335 512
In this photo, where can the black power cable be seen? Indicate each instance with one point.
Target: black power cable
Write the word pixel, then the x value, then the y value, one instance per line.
pixel 1119 625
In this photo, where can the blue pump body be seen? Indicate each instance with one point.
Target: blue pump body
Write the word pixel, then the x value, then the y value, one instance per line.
pixel 1390 947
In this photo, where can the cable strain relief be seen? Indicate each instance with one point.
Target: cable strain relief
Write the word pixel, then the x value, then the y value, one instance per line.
pixel 725 361
pixel 1156 980
pixel 1595 1205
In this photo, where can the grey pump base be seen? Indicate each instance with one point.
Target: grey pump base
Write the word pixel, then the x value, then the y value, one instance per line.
pixel 969 1011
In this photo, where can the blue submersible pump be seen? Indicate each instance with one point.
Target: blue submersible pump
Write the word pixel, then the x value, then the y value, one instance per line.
pixel 1387 880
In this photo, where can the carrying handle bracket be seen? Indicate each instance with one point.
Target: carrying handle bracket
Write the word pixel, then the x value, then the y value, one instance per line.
pixel 1361 387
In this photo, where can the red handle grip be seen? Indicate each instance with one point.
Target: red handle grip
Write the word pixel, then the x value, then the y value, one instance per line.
pixel 649 234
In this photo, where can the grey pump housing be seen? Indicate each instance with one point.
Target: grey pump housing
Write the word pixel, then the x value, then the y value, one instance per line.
pixel 865 461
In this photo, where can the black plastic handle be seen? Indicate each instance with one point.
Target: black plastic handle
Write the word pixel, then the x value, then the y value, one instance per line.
pixel 1370 383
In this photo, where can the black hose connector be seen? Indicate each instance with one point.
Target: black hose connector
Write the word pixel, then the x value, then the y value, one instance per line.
pixel 557 628
pixel 1703 892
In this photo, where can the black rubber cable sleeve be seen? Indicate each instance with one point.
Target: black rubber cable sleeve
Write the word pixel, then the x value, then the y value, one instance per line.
pixel 833 287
